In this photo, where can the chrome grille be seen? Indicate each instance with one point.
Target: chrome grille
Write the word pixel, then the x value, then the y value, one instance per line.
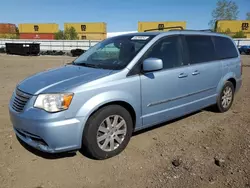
pixel 20 100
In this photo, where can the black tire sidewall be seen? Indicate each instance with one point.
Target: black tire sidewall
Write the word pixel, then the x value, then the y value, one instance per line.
pixel 219 101
pixel 91 128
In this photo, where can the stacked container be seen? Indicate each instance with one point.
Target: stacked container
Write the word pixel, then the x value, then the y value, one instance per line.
pixel 7 30
pixel 142 26
pixel 38 31
pixel 89 31
pixel 233 26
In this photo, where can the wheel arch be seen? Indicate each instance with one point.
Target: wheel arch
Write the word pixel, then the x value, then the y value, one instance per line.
pixel 228 77
pixel 121 103
pixel 124 99
pixel 233 81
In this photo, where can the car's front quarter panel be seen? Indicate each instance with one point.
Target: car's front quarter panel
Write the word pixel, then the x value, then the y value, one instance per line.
pixel 114 88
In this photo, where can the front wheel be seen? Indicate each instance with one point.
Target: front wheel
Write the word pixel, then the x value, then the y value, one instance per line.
pixel 107 132
pixel 226 97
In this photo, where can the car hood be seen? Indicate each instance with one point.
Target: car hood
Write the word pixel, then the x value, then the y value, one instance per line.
pixel 60 79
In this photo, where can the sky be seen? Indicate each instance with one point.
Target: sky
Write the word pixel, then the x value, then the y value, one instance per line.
pixel 120 15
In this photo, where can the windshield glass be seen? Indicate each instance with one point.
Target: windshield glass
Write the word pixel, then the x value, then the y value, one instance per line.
pixel 113 53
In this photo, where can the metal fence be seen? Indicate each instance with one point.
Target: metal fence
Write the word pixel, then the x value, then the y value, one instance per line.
pixel 58 45
pixel 241 42
pixel 67 45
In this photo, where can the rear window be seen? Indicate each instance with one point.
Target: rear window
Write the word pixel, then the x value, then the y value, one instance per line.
pixel 201 49
pixel 225 48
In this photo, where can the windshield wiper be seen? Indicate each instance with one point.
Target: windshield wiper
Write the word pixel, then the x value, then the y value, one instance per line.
pixel 70 63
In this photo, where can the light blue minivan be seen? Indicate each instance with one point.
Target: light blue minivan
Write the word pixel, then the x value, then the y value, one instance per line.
pixel 124 84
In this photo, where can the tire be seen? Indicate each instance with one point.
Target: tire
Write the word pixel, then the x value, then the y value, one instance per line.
pixel 220 106
pixel 92 131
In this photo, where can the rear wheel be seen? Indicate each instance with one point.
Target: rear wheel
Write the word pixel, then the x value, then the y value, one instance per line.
pixel 226 97
pixel 107 132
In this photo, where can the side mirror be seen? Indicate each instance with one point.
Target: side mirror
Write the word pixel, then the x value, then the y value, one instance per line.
pixel 152 64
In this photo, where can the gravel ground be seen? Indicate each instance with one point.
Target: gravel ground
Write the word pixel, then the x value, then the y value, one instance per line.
pixel 205 149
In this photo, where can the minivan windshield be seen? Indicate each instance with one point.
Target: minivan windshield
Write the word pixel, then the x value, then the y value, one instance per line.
pixel 113 53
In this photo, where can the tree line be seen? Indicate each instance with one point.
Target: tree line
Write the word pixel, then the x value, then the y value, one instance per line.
pixel 68 34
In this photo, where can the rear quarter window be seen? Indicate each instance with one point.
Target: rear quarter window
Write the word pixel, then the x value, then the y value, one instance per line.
pixel 225 48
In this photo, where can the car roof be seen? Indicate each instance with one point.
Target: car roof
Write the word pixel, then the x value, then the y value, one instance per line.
pixel 163 33
pixel 142 34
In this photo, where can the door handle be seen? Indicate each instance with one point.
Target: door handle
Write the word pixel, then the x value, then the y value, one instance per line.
pixel 195 73
pixel 183 75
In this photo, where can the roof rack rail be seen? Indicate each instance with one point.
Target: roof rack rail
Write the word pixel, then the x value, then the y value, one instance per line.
pixel 204 30
pixel 207 30
pixel 162 28
pixel 178 27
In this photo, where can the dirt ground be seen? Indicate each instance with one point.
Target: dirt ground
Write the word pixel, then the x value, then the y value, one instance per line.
pixel 205 149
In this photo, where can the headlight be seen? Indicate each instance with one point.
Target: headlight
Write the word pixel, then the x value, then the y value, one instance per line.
pixel 54 102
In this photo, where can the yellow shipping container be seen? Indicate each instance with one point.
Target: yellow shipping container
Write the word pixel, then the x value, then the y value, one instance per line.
pixel 92 36
pixel 142 26
pixel 233 25
pixel 38 28
pixel 96 27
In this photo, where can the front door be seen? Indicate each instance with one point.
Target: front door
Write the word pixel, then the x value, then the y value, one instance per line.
pixel 165 92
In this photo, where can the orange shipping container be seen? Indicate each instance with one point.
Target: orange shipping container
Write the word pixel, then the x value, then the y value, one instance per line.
pixel 7 28
pixel 49 36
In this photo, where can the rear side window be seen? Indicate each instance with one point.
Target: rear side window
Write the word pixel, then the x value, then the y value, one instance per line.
pixel 225 48
pixel 200 48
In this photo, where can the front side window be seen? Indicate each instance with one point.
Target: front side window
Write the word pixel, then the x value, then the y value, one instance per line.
pixel 113 53
pixel 200 48
pixel 168 50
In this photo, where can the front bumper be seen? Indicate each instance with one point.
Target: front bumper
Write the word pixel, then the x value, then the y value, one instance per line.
pixel 51 134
